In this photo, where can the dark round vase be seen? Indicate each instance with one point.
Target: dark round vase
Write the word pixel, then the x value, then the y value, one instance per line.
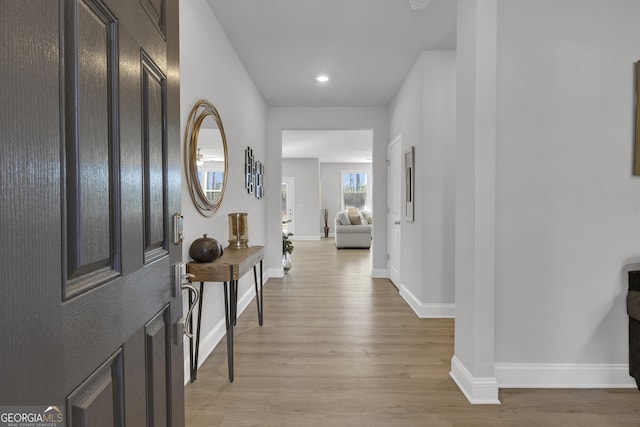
pixel 205 249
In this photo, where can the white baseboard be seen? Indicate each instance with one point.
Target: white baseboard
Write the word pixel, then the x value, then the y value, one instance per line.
pixel 563 375
pixel 427 310
pixel 478 391
pixel 297 237
pixel 379 273
pixel 209 342
pixel 275 272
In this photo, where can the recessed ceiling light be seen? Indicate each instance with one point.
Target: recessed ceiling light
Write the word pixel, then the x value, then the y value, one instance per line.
pixel 322 78
pixel 418 4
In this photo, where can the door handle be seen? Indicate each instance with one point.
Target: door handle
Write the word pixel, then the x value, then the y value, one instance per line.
pixel 188 286
pixel 396 222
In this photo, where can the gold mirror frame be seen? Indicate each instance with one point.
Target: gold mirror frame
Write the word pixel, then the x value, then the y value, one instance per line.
pixel 200 111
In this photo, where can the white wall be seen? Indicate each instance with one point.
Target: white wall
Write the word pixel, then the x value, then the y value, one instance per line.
pixel 306 198
pixel 331 188
pixel 280 119
pixel 211 69
pixel 560 160
pixel 472 366
pixel 567 207
pixel 423 112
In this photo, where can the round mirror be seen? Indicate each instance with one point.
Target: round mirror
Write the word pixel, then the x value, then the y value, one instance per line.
pixel 205 157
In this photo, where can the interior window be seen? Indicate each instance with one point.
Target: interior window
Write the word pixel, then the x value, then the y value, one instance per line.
pixel 354 190
pixel 211 182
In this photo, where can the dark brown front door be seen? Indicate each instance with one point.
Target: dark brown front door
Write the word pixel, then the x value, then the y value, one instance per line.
pixel 90 178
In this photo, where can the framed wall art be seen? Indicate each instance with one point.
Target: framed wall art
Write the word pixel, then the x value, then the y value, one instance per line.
pixel 253 174
pixel 409 177
pixel 636 156
pixel 259 178
pixel 248 170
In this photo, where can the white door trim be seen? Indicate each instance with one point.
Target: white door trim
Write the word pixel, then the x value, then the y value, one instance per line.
pixel 394 210
pixel 290 205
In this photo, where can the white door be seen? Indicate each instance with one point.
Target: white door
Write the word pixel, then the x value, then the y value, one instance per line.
pixel 394 192
pixel 287 205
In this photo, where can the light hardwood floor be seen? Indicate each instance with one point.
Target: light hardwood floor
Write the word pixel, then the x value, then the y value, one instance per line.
pixel 341 349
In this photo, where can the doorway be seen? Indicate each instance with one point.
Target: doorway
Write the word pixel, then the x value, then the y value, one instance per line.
pixel 316 159
pixel 287 204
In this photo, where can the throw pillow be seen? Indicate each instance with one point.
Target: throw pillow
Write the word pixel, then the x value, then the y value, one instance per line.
pixel 343 218
pixel 355 220
pixel 366 218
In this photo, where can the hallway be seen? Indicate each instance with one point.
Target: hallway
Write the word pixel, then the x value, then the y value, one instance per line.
pixel 341 349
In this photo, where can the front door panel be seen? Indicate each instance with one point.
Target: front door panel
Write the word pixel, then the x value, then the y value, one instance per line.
pixel 98 181
pixel 99 400
pixel 91 146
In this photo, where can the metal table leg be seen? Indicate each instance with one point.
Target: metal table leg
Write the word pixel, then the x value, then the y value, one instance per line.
pixel 194 357
pixel 234 283
pixel 228 313
pixel 258 292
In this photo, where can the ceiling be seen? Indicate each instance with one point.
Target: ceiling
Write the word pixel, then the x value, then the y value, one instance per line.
pixel 330 146
pixel 367 47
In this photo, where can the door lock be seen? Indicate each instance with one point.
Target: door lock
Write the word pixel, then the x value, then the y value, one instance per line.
pixel 178 234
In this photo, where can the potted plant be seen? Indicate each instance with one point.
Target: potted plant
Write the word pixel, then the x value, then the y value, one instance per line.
pixel 287 248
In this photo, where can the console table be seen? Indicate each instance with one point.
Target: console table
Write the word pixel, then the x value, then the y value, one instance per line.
pixel 227 269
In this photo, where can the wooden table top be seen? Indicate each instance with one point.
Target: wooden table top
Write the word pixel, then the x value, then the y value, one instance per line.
pixel 219 270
